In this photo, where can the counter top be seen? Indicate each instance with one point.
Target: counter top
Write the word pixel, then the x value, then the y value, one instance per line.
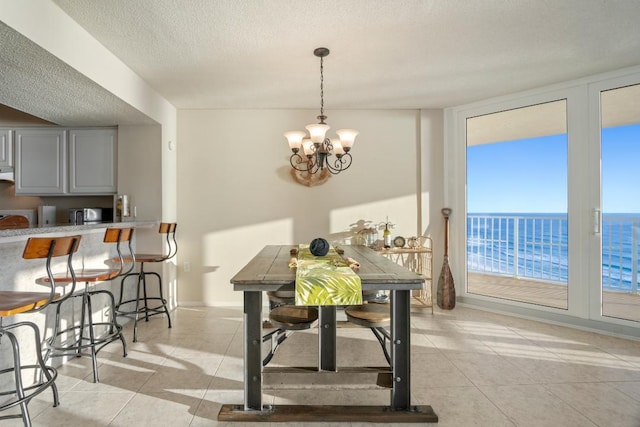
pixel 17 234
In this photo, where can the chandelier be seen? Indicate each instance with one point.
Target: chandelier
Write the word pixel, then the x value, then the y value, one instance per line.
pixel 316 147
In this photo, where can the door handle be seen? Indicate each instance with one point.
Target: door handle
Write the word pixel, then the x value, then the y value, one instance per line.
pixel 596 222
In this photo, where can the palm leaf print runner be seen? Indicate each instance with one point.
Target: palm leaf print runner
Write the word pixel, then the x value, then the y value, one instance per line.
pixel 326 280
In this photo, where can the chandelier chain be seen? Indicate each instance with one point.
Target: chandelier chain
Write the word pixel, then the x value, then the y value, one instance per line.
pixel 321 86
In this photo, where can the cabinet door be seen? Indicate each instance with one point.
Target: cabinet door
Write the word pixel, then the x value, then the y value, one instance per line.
pixel 40 161
pixel 6 148
pixel 92 161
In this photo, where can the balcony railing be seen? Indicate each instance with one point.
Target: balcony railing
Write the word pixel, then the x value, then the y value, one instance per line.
pixel 535 246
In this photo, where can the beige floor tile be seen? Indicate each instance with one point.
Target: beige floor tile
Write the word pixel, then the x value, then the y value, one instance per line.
pixel 36 406
pixel 84 408
pixel 231 368
pixel 630 355
pixel 116 375
pixel 461 406
pixel 208 325
pixel 601 403
pixel 157 409
pixel 489 369
pixel 548 368
pixel 435 371
pixel 188 377
pixel 631 389
pixel 201 345
pixel 148 354
pixel 459 342
pixel 535 406
pixel 474 368
pixel 518 347
pixel 73 372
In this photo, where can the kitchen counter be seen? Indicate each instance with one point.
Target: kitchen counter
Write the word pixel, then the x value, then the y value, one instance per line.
pixel 21 234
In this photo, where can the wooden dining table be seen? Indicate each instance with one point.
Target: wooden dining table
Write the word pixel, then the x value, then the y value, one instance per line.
pixel 269 271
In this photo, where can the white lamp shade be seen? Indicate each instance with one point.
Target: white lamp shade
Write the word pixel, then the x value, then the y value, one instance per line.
pixel 347 137
pixel 295 138
pixel 307 146
pixel 337 146
pixel 317 132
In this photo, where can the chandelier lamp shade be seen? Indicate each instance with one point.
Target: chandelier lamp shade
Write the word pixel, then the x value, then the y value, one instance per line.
pixel 312 152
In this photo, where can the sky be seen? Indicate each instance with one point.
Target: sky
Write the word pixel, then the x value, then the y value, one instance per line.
pixel 530 175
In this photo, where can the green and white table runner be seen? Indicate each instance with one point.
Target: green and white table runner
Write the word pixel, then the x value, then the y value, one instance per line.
pixel 326 280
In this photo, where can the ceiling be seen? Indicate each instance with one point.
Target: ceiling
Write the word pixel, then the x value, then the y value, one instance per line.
pixel 396 54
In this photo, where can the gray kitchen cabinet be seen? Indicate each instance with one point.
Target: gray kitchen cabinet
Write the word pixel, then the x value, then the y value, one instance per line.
pixel 6 148
pixel 92 161
pixel 41 161
pixel 62 161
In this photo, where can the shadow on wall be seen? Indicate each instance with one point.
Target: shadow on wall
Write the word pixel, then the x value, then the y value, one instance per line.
pixel 358 234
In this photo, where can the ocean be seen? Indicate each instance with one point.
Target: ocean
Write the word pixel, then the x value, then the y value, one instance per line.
pixel 535 246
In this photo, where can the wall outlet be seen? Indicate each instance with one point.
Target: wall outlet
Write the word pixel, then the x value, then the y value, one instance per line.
pixel 186 266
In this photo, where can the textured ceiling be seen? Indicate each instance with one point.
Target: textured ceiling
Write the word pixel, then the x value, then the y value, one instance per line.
pixel 384 53
pixel 38 83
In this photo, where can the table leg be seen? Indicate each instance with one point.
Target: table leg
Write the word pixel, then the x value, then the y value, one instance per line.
pixel 327 339
pixel 400 350
pixel 252 351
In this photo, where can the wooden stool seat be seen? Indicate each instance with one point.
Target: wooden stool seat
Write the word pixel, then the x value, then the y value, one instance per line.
pixel 281 297
pixel 376 317
pixel 293 317
pixel 88 276
pixel 369 315
pixel 13 302
pixel 146 258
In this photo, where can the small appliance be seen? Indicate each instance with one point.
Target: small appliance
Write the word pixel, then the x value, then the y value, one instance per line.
pixel 90 215
pixel 46 216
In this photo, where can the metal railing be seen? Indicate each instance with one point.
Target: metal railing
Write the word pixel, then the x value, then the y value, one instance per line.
pixel 535 246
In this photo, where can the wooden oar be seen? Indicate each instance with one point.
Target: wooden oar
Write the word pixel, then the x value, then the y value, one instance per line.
pixel 446 295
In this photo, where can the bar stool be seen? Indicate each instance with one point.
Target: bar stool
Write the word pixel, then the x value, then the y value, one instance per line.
pixel 89 334
pixel 15 302
pixel 169 229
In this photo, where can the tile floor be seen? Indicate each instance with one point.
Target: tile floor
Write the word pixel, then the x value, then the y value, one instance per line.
pixel 474 368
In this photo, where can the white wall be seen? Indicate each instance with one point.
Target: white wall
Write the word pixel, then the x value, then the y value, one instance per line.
pixel 235 194
pixel 432 191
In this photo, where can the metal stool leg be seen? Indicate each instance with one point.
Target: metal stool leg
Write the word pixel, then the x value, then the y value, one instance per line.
pixel 25 394
pixel 92 338
pixel 115 321
pixel 161 297
pixel 17 373
pixel 142 300
pixel 85 335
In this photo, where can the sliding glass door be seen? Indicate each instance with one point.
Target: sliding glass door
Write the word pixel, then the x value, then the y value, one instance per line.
pixel 517 223
pixel 620 202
